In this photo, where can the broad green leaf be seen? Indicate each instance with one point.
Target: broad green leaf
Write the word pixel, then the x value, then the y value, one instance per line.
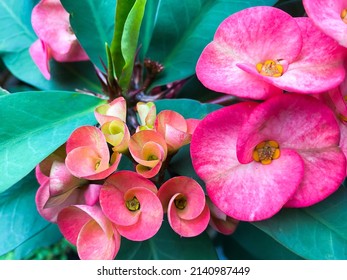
pixel 147 26
pixel 122 11
pixel 21 225
pixel 16 33
pixel 250 243
pixel 182 31
pixel 34 124
pixel 46 237
pixel 93 24
pixel 318 232
pixel 167 245
pixel 129 42
pixel 64 76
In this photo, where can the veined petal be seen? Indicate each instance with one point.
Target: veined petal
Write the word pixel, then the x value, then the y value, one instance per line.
pixel 319 66
pixel 40 54
pixel 325 170
pixel 326 14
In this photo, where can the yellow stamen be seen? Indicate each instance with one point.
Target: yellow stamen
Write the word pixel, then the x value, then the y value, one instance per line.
pixel 133 204
pixel 266 151
pixel 344 15
pixel 180 202
pixel 270 68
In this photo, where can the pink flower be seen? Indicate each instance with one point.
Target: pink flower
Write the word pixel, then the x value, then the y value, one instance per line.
pixel 88 155
pixel 59 188
pixel 330 16
pixel 147 113
pixel 261 51
pixel 149 150
pixel 56 40
pixel 117 134
pixel 283 152
pixel 131 203
pixel 176 130
pixel 184 201
pixel 117 109
pixel 90 231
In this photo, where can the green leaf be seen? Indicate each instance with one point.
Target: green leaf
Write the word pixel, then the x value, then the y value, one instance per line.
pixel 21 227
pixel 16 32
pixel 167 245
pixel 129 41
pixel 318 232
pixel 250 243
pixel 34 124
pixel 182 31
pixel 93 24
pixel 64 76
pixel 122 11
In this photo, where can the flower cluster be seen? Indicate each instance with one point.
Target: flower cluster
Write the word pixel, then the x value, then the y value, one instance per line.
pixel 94 204
pixel 284 143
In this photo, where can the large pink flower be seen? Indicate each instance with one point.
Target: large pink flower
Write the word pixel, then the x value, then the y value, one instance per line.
pixel 255 159
pixel 184 201
pixel 260 51
pixel 90 231
pixel 50 22
pixel 131 203
pixel 330 16
pixel 88 155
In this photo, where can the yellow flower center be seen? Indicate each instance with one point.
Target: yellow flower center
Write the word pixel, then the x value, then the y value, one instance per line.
pixel 133 204
pixel 180 202
pixel 266 151
pixel 270 68
pixel 344 15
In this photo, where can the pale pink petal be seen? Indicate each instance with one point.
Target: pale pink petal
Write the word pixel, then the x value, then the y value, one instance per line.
pixel 343 141
pixel 113 204
pixel 110 111
pixel 87 136
pixel 187 187
pixel 91 195
pixel 94 244
pixel 319 66
pixel 326 14
pixel 40 54
pixel 325 171
pixel 150 216
pixel 190 227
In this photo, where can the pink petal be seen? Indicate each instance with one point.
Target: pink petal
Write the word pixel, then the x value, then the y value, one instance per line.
pixel 326 14
pixel 314 188
pixel 94 244
pixel 190 227
pixel 40 54
pixel 191 190
pixel 114 206
pixel 250 36
pixel 91 195
pixel 87 136
pixel 110 111
pixel 150 216
pixel 343 141
pixel 319 66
